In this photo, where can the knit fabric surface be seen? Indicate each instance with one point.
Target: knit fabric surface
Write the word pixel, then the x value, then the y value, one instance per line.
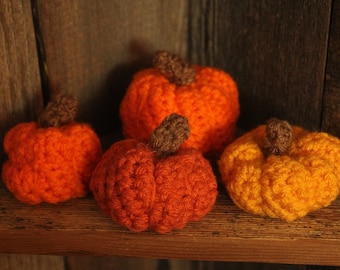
pixel 50 164
pixel 210 103
pixel 287 186
pixel 142 192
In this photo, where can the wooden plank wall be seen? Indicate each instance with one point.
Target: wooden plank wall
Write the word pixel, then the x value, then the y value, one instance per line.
pixel 331 102
pixel 92 48
pixel 20 95
pixel 276 50
pixel 42 262
pixel 32 262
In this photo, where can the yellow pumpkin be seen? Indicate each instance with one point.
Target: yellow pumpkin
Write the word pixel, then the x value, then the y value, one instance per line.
pixel 282 171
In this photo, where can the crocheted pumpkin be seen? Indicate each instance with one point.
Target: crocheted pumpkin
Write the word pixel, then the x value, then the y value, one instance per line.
pixel 282 171
pixel 207 96
pixel 51 160
pixel 158 185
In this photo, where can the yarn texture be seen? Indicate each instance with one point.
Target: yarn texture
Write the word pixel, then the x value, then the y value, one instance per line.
pixel 207 96
pixel 283 173
pixel 142 189
pixel 52 163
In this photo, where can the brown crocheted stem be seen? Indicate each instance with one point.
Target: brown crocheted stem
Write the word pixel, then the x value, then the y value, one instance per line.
pixel 174 68
pixel 168 137
pixel 279 136
pixel 60 111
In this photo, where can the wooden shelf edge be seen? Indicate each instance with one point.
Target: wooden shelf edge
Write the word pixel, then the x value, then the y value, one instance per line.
pixel 226 234
pixel 105 243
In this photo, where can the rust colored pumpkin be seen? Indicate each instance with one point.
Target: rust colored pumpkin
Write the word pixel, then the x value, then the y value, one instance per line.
pixel 51 160
pixel 282 171
pixel 207 96
pixel 159 185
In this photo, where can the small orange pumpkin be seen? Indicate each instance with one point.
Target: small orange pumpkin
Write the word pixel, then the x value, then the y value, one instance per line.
pixel 158 185
pixel 52 160
pixel 282 171
pixel 207 96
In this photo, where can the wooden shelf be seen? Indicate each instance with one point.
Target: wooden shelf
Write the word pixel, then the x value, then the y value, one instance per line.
pixel 227 234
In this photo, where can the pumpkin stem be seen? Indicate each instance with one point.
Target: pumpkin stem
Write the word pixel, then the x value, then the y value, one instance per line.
pixel 168 137
pixel 174 68
pixel 279 136
pixel 60 111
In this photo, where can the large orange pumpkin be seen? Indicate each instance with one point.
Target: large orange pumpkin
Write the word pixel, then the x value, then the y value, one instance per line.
pixel 52 160
pixel 207 96
pixel 158 185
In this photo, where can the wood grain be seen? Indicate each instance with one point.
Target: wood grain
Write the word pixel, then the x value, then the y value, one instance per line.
pixel 94 263
pixel 226 234
pixel 20 95
pixel 31 262
pixel 331 109
pixel 94 47
pixel 256 266
pixel 275 50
